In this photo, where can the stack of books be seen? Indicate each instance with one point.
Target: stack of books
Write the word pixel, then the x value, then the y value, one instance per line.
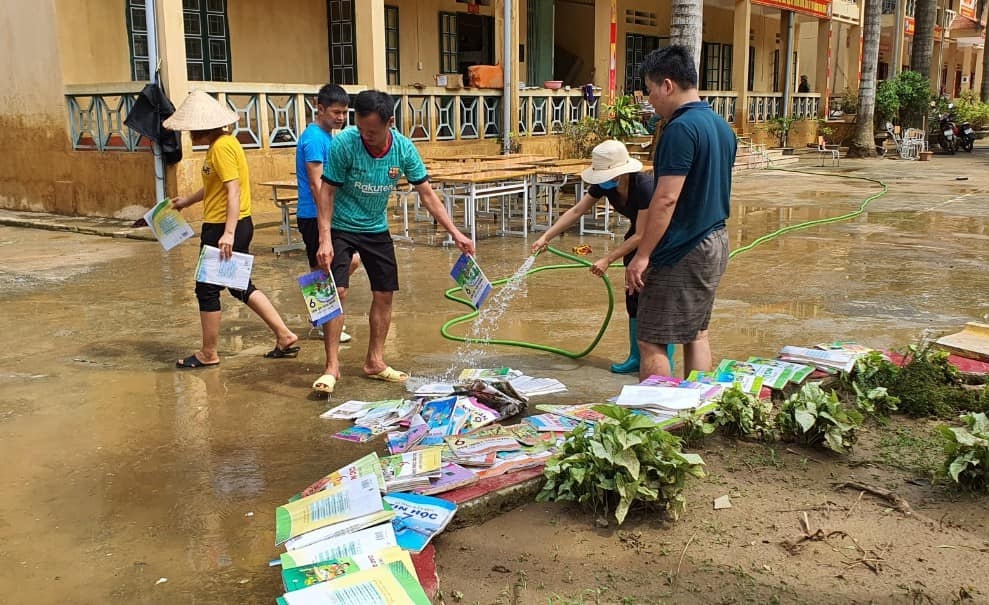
pixel 345 542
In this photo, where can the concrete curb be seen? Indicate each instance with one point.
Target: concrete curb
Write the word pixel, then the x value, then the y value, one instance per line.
pixel 484 508
pixel 51 222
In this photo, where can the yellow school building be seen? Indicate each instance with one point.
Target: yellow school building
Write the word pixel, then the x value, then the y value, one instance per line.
pixel 77 68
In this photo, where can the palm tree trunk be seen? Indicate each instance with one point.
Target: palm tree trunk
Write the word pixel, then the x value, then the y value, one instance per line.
pixel 686 23
pixel 983 10
pixel 863 144
pixel 923 38
pixel 984 88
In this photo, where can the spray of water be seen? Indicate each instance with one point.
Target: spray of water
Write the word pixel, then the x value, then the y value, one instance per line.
pixel 485 326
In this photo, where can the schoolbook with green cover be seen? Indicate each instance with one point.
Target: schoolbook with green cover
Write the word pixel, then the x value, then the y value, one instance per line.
pixel 325 571
pixel 392 584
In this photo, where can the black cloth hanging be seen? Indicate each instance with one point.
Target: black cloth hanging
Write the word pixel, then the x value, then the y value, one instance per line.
pixel 151 108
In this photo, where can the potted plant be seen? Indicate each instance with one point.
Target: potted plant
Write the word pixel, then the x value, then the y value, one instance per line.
pixel 850 104
pixel 623 121
pixel 823 130
pixel 780 128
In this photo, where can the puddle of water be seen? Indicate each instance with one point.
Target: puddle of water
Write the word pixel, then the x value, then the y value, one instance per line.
pixel 143 472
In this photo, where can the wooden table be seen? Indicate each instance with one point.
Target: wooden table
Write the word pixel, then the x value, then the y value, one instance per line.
pixel 556 175
pixel 483 186
pixel 286 204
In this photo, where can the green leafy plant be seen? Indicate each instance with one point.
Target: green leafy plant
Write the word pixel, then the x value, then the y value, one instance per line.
pixel 780 128
pixel 969 108
pixel 850 100
pixel 825 131
pixel 887 102
pixel 914 92
pixel 929 386
pixel 967 452
pixel 627 459
pixel 695 428
pixel 875 401
pixel 623 118
pixel 579 138
pixel 874 370
pixel 816 418
pixel 743 415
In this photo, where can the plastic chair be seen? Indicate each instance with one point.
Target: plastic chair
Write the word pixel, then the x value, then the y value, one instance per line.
pixel 907 149
pixel 823 151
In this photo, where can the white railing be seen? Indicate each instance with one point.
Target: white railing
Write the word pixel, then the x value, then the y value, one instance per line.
pixel 97 113
pixel 805 105
pixel 274 115
pixel 722 102
pixel 765 106
pixel 543 111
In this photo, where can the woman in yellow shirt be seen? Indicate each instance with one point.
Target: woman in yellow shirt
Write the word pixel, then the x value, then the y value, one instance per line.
pixel 227 225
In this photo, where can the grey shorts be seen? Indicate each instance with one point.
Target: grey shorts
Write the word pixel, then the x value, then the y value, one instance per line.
pixel 675 303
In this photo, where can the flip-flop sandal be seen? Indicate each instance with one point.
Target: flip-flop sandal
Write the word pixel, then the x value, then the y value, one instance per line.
pixel 278 353
pixel 192 363
pixel 325 383
pixel 389 374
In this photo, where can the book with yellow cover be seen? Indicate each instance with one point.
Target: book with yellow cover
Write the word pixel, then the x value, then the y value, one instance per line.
pixel 345 502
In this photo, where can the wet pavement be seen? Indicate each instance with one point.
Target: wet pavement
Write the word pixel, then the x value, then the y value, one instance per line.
pixel 121 470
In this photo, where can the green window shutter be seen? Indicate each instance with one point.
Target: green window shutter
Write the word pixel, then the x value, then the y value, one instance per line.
pixel 539 42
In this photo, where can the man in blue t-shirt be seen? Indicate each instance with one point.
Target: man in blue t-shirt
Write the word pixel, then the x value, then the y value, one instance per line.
pixel 684 247
pixel 332 105
pixel 360 174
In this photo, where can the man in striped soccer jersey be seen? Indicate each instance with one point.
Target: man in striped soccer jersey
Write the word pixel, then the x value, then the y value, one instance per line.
pixel 362 170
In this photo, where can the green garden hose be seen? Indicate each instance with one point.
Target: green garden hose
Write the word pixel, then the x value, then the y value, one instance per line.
pixel 580 263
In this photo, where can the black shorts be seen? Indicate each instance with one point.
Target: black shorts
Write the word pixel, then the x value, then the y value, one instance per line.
pixel 309 229
pixel 377 252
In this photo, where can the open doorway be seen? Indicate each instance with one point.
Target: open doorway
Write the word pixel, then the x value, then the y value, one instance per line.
pixel 475 42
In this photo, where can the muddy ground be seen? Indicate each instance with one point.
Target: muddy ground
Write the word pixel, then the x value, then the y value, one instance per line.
pixel 121 471
pixel 862 549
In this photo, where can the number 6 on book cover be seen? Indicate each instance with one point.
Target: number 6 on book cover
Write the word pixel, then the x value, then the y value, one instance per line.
pixel 320 293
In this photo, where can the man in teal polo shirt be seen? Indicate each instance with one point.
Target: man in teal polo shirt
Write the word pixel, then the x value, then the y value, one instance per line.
pixel 363 168
pixel 684 247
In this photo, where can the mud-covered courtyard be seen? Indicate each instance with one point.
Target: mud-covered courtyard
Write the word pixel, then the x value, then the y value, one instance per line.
pixel 120 470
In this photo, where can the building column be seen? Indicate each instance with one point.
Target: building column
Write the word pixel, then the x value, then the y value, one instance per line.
pixel 854 73
pixel 369 23
pixel 787 26
pixel 740 63
pixel 825 63
pixel 181 177
pixel 977 80
pixel 899 36
pixel 602 43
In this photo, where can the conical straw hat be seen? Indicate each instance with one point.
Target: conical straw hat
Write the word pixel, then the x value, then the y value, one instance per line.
pixel 200 111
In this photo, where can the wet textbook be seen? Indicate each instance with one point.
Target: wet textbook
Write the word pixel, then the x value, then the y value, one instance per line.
pixel 411 470
pixel 320 294
pixel 467 273
pixel 168 225
pixel 234 272
pixel 349 501
pixel 297 578
pixel 389 584
pixel 368 465
pixel 418 519
pixel 365 541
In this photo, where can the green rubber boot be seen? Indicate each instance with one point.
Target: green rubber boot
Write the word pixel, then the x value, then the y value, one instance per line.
pixel 631 365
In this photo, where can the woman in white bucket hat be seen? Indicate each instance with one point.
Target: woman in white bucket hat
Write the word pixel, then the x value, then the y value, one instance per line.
pixel 619 178
pixel 227 224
